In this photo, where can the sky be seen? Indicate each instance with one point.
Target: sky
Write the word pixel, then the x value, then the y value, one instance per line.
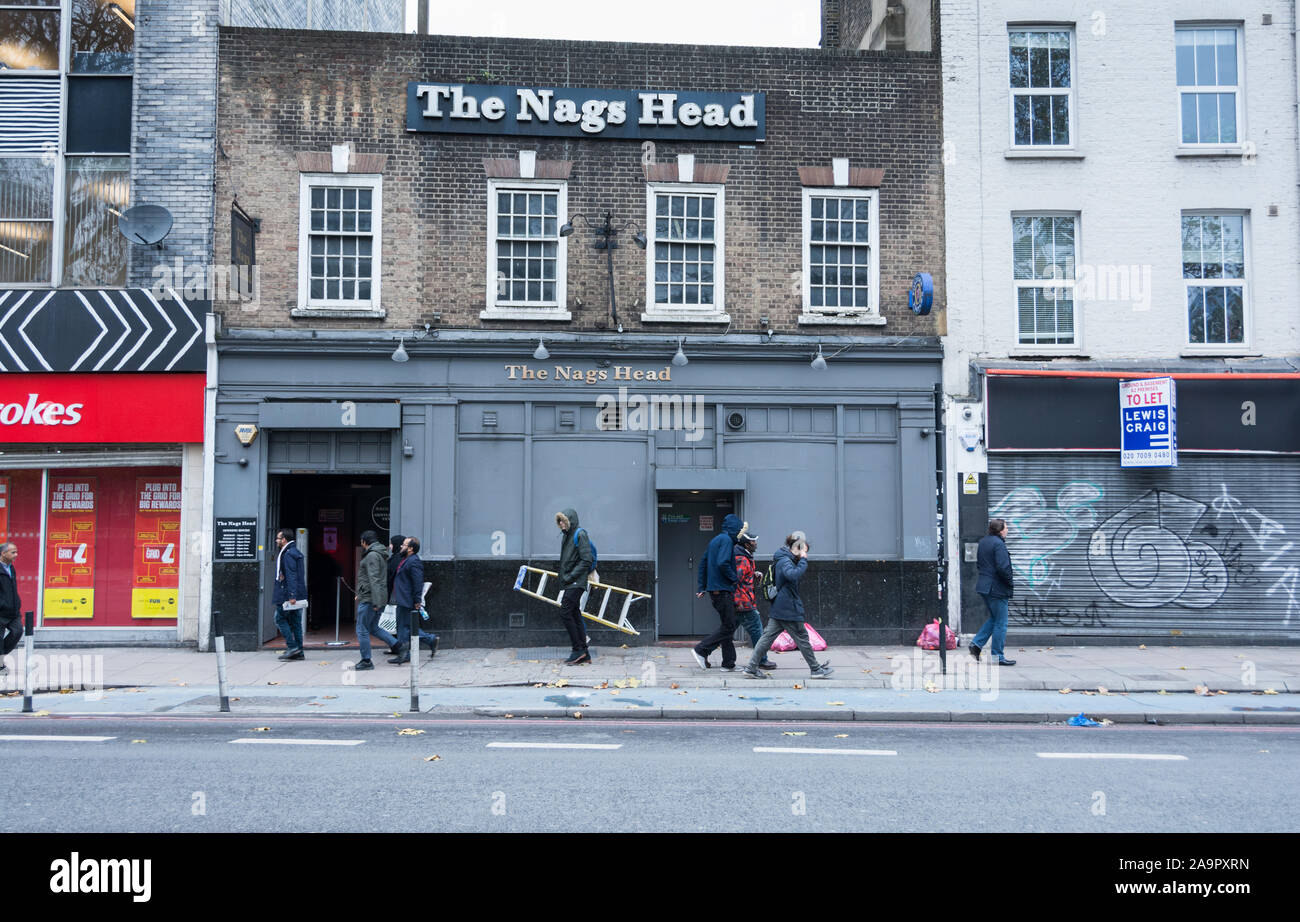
pixel 789 23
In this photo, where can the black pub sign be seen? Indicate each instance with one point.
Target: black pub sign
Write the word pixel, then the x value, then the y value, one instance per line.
pixel 575 112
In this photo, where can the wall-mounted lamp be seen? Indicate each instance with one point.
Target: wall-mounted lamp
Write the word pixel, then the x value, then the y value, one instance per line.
pixel 819 360
pixel 408 451
pixel 541 353
pixel 400 354
pixel 680 358
pixel 608 242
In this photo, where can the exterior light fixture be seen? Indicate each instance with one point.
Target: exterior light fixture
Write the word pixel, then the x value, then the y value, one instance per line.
pixel 540 353
pixel 680 358
pixel 608 242
pixel 400 354
pixel 819 361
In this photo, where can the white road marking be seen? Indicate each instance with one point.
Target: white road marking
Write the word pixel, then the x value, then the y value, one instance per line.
pixel 1156 756
pixel 554 745
pixel 827 752
pixel 301 742
pixel 17 738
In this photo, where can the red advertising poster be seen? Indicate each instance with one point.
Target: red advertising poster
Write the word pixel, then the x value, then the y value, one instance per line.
pixel 155 572
pixel 70 549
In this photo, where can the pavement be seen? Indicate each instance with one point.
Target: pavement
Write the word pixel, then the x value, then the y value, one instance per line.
pixel 1130 684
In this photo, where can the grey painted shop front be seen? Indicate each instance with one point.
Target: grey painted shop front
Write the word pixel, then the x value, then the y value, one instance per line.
pixel 474 444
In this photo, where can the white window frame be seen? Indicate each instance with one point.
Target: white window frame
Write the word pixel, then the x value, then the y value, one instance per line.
pixel 702 313
pixel 1189 347
pixel 308 306
pixel 1014 92
pixel 504 308
pixel 1076 347
pixel 1239 90
pixel 871 313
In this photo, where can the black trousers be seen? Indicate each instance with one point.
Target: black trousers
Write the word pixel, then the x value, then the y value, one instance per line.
pixel 14 625
pixel 725 605
pixel 572 620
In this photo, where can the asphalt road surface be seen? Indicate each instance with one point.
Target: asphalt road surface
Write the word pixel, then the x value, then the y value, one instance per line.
pixel 363 775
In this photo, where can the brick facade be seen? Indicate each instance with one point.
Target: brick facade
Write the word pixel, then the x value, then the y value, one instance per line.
pixel 174 132
pixel 286 93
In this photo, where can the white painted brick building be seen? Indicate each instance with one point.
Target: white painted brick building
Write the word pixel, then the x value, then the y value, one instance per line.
pixel 1109 141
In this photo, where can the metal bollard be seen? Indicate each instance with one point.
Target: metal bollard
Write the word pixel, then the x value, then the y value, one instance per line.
pixel 415 660
pixel 29 643
pixel 219 644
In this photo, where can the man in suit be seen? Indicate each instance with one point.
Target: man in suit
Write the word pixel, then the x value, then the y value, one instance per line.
pixel 11 618
pixel 290 587
pixel 996 585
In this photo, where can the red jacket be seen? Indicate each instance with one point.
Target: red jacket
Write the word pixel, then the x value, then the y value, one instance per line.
pixel 744 594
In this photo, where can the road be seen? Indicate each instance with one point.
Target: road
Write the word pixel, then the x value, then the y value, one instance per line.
pixel 362 775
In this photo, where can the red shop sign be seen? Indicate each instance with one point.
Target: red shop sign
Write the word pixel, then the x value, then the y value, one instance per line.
pixel 54 408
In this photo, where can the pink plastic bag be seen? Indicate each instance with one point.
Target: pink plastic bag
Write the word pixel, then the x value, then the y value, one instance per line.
pixel 929 639
pixel 784 643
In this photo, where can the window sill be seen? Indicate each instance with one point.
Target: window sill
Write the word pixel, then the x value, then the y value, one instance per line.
pixel 1053 352
pixel 865 320
pixel 1046 153
pixel 1194 352
pixel 1231 150
pixel 683 317
pixel 524 313
pixel 341 313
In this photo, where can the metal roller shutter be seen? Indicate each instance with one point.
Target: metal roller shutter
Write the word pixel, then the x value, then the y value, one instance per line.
pixel 1207 551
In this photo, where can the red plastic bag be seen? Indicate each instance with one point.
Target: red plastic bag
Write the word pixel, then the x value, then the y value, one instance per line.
pixel 784 643
pixel 929 639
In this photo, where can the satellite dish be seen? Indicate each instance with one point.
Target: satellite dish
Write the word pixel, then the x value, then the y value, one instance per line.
pixel 145 224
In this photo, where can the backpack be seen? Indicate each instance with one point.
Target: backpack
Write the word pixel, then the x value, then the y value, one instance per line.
pixel 767 584
pixel 595 558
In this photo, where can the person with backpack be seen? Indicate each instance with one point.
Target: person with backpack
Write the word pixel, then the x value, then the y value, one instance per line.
pixel 577 567
pixel 746 594
pixel 790 563
pixel 717 577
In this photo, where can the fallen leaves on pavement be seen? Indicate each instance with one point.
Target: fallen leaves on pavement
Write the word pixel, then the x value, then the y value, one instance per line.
pixel 433 758
pixel 794 733
pixel 409 731
pixel 831 703
pixel 1065 691
pixel 260 730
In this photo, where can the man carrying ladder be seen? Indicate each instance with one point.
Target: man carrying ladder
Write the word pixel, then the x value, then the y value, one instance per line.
pixel 577 565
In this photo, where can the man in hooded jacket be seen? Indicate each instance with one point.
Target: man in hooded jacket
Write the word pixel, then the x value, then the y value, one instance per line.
pixel 576 563
pixel 717 577
pixel 372 596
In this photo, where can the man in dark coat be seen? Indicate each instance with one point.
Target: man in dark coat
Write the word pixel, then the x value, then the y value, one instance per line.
pixel 576 563
pixel 11 618
pixel 996 585
pixel 290 589
pixel 717 577
pixel 408 596
pixel 789 564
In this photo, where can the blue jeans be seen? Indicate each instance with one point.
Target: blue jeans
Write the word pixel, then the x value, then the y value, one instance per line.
pixel 752 623
pixel 404 629
pixel 290 625
pixel 995 626
pixel 367 624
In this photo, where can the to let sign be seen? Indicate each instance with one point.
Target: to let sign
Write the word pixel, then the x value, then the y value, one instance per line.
pixel 1148 423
